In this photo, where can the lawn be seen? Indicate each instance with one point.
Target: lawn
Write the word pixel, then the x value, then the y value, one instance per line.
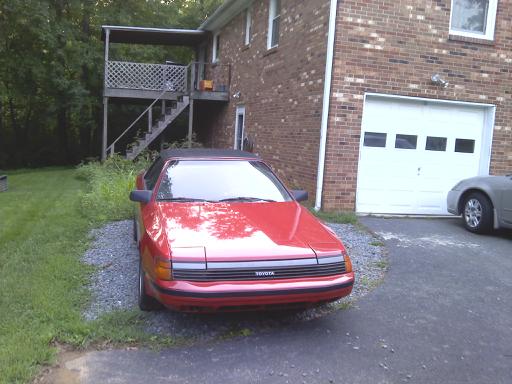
pixel 41 279
pixel 43 233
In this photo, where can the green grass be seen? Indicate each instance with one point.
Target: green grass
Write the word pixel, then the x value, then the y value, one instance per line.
pixel 108 187
pixel 336 217
pixel 43 234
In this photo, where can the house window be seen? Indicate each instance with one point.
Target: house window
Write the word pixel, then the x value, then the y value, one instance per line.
pixel 274 17
pixel 248 22
pixel 216 48
pixel 473 18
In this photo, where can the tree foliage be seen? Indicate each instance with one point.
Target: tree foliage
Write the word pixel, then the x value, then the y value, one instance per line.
pixel 51 71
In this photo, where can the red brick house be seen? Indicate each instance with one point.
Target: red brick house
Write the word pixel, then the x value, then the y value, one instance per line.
pixel 373 106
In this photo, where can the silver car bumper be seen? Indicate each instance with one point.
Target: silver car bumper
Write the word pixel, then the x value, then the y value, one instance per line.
pixel 452 202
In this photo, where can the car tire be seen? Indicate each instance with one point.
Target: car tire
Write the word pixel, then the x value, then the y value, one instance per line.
pixel 477 213
pixel 146 302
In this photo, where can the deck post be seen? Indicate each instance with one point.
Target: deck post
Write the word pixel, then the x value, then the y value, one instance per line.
pixel 150 119
pixel 190 121
pixel 105 99
pixel 163 107
pixel 105 127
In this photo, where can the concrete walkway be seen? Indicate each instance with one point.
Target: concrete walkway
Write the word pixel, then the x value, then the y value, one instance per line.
pixel 443 315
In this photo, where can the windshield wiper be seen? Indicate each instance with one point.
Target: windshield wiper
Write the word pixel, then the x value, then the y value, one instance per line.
pixel 243 198
pixel 183 199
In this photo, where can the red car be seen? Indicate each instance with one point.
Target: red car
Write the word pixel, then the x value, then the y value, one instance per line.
pixel 217 230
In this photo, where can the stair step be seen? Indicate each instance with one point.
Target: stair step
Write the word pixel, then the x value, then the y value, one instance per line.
pixel 171 113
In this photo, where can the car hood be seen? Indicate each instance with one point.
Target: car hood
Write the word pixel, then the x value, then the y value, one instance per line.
pixel 245 231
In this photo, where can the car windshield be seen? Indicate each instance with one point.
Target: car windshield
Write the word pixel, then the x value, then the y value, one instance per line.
pixel 220 181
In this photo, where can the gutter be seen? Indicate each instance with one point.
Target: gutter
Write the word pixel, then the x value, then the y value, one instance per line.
pixel 326 104
pixel 223 14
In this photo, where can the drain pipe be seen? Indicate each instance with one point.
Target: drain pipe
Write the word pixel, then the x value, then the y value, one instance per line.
pixel 326 103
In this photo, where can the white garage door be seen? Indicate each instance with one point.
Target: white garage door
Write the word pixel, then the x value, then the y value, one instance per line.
pixel 413 151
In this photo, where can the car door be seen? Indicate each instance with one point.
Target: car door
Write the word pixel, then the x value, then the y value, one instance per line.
pixel 506 202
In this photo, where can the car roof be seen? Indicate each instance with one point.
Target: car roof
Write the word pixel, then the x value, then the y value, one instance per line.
pixel 207 153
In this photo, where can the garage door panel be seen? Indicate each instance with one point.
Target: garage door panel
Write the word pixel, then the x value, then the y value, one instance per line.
pixel 414 177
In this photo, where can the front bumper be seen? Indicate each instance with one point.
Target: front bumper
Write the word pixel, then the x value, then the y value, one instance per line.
pixel 452 202
pixel 238 295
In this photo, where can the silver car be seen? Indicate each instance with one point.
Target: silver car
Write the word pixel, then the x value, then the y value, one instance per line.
pixel 485 202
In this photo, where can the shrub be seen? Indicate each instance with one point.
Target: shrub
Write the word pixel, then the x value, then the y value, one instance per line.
pixel 109 185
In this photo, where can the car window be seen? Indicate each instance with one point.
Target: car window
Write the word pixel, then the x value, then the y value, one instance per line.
pixel 153 172
pixel 218 180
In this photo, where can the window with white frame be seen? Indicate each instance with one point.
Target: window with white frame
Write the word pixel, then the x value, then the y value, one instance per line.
pixel 216 47
pixel 473 18
pixel 274 18
pixel 248 22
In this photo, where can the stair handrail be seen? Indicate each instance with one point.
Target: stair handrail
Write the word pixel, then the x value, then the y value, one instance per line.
pixel 168 87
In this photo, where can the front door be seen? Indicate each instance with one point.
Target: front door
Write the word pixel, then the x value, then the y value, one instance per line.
pixel 239 127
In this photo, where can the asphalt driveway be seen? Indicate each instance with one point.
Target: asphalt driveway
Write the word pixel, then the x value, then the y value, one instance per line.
pixel 443 315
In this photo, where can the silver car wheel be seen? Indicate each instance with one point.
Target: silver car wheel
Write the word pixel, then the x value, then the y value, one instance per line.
pixel 473 213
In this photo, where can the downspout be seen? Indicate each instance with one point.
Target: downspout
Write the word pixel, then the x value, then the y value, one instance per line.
pixel 326 103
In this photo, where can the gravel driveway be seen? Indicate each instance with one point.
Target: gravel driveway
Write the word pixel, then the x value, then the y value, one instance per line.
pixel 114 285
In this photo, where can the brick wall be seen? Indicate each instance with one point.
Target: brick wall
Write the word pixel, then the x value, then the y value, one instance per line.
pixel 393 47
pixel 281 89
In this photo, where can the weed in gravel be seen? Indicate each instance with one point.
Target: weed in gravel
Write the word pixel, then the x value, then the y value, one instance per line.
pixel 336 217
pixel 341 305
pixel 235 332
pixel 382 264
pixel 377 243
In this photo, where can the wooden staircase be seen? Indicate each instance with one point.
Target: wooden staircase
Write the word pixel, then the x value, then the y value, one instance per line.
pixel 158 127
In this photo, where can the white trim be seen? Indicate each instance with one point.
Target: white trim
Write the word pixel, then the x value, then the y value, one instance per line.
pixel 325 104
pixel 487 136
pixel 271 16
pixel 466 103
pixel 215 47
pixel 240 110
pixel 248 25
pixel 489 28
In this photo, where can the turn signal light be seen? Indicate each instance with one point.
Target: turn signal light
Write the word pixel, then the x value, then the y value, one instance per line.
pixel 163 269
pixel 348 262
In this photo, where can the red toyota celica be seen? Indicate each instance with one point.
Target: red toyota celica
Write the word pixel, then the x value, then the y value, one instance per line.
pixel 217 230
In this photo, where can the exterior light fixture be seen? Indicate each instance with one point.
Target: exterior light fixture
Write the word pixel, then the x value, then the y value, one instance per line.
pixel 438 80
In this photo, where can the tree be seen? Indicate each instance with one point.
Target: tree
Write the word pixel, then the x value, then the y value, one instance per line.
pixel 51 69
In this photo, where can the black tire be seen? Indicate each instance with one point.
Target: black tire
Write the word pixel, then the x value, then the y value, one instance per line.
pixel 146 302
pixel 135 231
pixel 477 213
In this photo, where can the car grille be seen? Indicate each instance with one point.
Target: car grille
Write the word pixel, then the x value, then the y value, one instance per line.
pixel 290 272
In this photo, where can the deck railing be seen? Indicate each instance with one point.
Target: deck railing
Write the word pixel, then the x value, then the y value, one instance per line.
pixel 218 74
pixel 154 77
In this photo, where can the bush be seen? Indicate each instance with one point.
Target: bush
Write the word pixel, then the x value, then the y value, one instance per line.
pixel 109 186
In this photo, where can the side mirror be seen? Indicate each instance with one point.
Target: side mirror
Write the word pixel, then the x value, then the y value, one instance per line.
pixel 299 194
pixel 141 196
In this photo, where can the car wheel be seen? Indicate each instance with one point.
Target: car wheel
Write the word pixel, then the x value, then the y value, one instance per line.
pixel 477 214
pixel 146 302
